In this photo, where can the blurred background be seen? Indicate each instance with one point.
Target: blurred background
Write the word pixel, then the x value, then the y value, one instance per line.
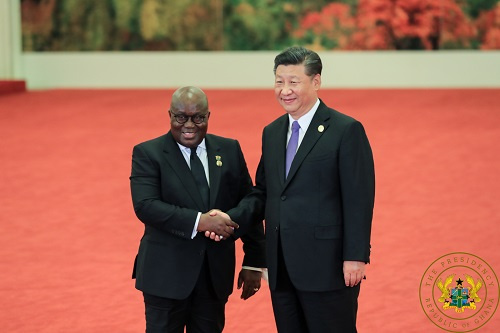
pixel 371 43
pixel 216 25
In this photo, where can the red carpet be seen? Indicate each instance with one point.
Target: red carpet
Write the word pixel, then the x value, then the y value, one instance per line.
pixel 69 234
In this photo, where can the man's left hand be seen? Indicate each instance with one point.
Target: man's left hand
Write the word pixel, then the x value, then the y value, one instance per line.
pixel 250 280
pixel 354 272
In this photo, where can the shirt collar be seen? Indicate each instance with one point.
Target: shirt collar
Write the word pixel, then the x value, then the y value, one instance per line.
pixel 305 119
pixel 202 145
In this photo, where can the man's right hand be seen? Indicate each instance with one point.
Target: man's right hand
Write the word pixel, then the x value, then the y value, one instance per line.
pixel 218 223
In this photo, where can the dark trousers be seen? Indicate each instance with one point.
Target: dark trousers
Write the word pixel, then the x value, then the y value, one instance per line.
pixel 297 311
pixel 201 312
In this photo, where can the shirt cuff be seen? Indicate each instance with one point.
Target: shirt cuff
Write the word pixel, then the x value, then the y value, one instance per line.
pixel 252 268
pixel 263 270
pixel 195 229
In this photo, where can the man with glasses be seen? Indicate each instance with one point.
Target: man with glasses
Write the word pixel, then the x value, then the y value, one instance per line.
pixel 177 180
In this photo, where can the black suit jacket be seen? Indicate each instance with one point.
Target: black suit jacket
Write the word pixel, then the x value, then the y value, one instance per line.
pixel 167 201
pixel 322 212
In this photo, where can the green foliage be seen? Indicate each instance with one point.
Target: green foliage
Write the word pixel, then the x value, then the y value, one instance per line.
pixel 474 7
pixel 82 25
pixel 258 24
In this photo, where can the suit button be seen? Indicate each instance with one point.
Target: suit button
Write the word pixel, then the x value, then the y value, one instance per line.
pixel 277 229
pixel 283 198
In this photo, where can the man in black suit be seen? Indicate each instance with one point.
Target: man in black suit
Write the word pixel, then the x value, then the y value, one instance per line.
pixel 176 180
pixel 316 178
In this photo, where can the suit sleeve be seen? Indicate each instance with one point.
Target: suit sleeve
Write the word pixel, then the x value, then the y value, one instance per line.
pixel 254 246
pixel 357 181
pixel 252 231
pixel 145 184
pixel 250 209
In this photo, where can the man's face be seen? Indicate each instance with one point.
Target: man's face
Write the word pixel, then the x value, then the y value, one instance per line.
pixel 188 134
pixel 294 90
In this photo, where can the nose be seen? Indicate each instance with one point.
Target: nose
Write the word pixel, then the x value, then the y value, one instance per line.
pixel 286 90
pixel 189 122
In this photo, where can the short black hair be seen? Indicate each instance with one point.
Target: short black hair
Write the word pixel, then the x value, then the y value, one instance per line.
pixel 297 55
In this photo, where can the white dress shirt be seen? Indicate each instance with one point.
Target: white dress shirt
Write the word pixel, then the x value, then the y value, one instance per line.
pixel 304 122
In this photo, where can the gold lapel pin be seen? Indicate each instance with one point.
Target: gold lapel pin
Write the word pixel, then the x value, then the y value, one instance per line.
pixel 219 163
pixel 321 128
pixel 218 159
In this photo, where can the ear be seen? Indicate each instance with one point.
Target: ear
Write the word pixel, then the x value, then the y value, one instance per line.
pixel 317 81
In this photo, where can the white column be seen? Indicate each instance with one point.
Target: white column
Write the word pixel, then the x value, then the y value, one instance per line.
pixel 10 40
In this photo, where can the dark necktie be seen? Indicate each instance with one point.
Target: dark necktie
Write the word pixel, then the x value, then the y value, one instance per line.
pixel 198 172
pixel 291 149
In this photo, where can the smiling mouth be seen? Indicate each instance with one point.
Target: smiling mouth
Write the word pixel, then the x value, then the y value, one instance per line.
pixel 288 100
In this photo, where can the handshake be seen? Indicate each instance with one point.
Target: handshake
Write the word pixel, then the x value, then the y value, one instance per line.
pixel 217 225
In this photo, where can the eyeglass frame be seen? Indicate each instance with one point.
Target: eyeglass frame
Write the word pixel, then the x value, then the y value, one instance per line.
pixel 175 115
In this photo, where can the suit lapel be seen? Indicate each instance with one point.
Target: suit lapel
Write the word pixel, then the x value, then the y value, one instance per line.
pixel 278 147
pixel 181 169
pixel 214 155
pixel 319 125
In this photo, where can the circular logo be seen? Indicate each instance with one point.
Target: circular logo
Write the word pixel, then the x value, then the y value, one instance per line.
pixel 459 292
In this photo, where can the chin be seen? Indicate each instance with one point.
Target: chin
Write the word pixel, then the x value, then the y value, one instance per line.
pixel 289 109
pixel 187 143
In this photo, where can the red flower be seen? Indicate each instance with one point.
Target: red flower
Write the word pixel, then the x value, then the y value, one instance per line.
pixel 488 25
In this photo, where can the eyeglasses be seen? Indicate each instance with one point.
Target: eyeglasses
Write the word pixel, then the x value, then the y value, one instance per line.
pixel 182 118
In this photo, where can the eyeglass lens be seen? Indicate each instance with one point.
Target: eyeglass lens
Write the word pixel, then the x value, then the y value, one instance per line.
pixel 197 118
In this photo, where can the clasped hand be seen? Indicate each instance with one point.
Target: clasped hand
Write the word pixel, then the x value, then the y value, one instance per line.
pixel 217 225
